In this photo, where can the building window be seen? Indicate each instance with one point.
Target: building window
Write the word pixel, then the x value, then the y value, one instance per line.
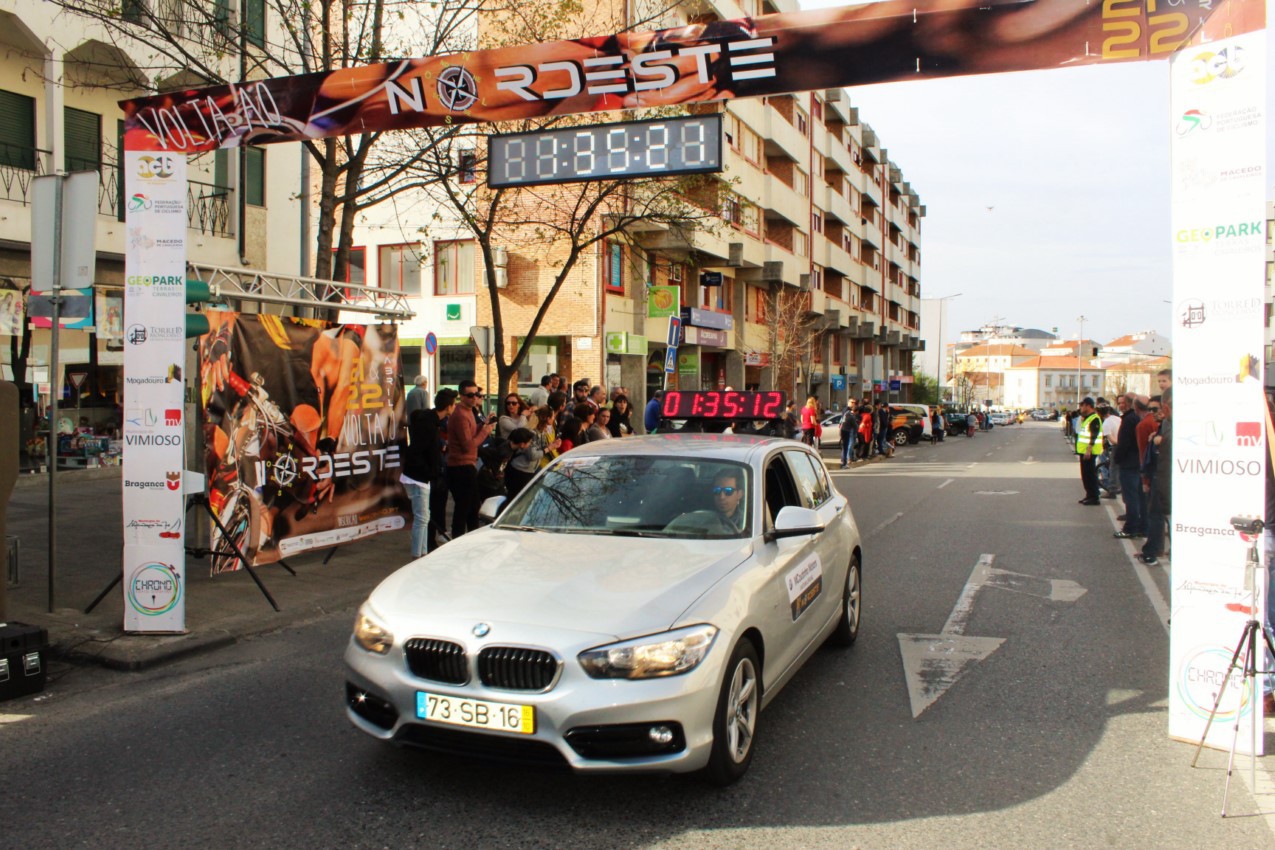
pixel 800 183
pixel 800 244
pixel 17 131
pixel 717 298
pixel 454 267
pixel 676 271
pixel 356 268
pixel 1049 380
pixel 816 221
pixel 83 136
pixel 801 121
pixel 254 22
pixel 221 18
pixel 254 179
pixel 615 267
pixel 755 304
pixel 468 167
pixel 133 11
pixel 399 268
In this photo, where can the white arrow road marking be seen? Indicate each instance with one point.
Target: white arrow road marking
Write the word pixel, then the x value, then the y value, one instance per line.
pixel 995 492
pixel 933 663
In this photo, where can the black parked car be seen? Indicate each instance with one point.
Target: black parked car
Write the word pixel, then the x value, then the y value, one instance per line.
pixel 955 422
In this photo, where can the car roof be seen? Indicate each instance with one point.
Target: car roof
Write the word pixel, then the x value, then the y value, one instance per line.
pixel 742 448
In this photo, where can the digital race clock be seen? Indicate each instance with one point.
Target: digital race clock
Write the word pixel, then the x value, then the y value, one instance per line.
pixel 723 404
pixel 660 147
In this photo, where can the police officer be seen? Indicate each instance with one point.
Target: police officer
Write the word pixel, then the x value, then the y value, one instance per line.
pixel 1089 447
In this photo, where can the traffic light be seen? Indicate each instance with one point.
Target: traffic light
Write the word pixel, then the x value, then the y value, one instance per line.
pixel 198 292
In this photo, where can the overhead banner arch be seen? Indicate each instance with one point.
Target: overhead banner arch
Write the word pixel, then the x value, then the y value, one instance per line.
pixel 1218 84
pixel 747 57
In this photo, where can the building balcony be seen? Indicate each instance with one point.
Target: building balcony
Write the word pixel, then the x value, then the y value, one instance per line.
pixel 783 200
pixel 783 139
pixel 839 207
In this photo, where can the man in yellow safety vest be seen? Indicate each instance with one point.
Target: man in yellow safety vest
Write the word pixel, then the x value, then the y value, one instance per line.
pixel 1089 447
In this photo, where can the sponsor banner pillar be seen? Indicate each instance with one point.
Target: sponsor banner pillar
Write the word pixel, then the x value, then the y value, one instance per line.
pixel 1217 98
pixel 154 357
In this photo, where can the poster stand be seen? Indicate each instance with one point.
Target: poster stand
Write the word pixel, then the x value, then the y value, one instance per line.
pixel 200 499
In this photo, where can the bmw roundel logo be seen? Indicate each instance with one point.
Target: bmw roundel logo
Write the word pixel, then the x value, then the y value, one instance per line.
pixel 482 630
pixel 457 89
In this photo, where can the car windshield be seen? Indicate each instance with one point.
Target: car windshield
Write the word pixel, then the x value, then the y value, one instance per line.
pixel 637 496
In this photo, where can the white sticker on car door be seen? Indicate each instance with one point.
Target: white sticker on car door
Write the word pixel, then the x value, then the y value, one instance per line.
pixel 805 583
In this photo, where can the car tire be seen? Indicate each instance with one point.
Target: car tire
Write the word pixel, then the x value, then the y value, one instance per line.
pixel 899 437
pixel 847 629
pixel 735 718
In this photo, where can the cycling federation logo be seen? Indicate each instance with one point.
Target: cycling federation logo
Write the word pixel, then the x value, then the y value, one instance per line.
pixel 154 588
pixel 139 202
pixel 1225 64
pixel 1192 120
pixel 457 89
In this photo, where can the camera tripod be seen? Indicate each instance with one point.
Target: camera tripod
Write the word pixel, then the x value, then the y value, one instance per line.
pixel 1246 654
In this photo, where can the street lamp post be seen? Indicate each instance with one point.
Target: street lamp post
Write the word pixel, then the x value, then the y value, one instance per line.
pixel 1079 345
pixel 942 352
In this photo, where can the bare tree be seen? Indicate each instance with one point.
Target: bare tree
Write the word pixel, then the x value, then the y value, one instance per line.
pixel 793 332
pixel 550 229
pixel 181 43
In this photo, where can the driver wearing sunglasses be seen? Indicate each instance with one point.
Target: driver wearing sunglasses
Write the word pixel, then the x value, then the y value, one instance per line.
pixel 728 498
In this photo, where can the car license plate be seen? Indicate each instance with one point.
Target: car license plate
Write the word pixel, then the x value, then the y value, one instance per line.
pixel 476 713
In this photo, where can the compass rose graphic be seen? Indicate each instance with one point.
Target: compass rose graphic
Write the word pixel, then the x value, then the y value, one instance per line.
pixel 457 89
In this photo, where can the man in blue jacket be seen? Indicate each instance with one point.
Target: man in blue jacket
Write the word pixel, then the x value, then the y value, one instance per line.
pixel 651 418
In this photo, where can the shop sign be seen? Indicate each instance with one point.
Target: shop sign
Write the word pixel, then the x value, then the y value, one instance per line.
pixel 663 301
pixel 756 358
pixel 705 336
pixel 615 342
pixel 708 319
pixel 453 312
pixel 710 278
pixel 688 363
pixel 895 385
pixel 636 344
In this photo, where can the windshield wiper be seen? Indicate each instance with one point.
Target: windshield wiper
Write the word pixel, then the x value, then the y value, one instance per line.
pixel 630 532
pixel 518 528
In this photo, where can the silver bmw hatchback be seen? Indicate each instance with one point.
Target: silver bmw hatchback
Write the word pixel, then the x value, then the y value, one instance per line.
pixel 633 609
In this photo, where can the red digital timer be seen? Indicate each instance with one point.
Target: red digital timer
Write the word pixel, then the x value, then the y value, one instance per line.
pixel 718 404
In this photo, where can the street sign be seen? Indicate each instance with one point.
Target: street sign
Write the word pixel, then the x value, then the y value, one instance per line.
pixel 484 340
pixel 77 379
pixel 670 361
pixel 674 331
pixel 431 343
pixel 895 385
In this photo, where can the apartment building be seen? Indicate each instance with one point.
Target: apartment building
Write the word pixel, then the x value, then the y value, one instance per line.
pixel 1054 383
pixel 61 77
pixel 819 225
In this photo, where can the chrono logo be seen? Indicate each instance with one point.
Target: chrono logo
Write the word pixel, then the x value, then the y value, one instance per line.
pixel 1200 678
pixel 154 588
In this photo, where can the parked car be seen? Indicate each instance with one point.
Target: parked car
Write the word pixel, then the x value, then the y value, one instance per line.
pixel 1040 415
pixel 923 412
pixel 907 427
pixel 831 425
pixel 1000 418
pixel 955 421
pixel 521 642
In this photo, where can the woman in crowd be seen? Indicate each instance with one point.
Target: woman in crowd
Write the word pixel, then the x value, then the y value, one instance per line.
pixel 866 419
pixel 600 429
pixel 621 412
pixel 575 431
pixel 526 462
pixel 809 420
pixel 514 416
pixel 544 437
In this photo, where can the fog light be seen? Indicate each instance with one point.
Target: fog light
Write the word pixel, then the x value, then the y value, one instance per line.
pixel 661 735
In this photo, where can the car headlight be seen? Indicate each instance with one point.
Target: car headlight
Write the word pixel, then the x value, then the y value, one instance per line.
pixel 370 634
pixel 666 654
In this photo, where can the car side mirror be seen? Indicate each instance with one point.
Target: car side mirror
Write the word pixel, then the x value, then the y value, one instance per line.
pixel 490 508
pixel 794 522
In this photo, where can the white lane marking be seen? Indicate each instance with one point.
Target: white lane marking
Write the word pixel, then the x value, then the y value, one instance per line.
pixel 1149 587
pixel 14 718
pixel 945 483
pixel 957 620
pixel 884 525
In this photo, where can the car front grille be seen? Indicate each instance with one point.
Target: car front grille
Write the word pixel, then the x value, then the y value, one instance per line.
pixel 516 669
pixel 439 660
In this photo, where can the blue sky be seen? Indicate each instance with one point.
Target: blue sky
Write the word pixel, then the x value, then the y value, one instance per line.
pixel 1047 193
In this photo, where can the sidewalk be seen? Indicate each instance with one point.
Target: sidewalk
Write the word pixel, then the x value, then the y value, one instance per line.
pixel 219 610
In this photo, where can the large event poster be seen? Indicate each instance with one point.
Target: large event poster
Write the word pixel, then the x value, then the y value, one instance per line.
pixel 154 318
pixel 746 57
pixel 301 427
pixel 1218 100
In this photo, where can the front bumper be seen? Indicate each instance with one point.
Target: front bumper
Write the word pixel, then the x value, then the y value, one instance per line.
pixel 602 716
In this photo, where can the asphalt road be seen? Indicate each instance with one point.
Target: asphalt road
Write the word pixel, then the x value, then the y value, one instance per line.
pixel 1055 739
